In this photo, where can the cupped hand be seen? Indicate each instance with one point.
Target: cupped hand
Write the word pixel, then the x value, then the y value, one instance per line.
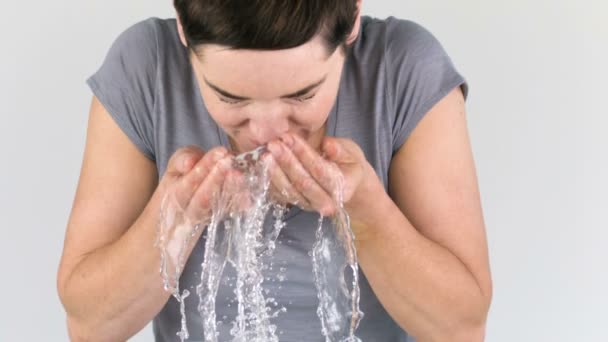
pixel 318 181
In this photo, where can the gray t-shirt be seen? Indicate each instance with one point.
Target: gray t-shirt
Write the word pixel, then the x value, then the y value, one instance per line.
pixel 395 72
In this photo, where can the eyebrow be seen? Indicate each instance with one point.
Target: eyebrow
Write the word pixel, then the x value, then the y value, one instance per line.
pixel 298 93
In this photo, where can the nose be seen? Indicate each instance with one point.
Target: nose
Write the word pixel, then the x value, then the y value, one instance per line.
pixel 269 125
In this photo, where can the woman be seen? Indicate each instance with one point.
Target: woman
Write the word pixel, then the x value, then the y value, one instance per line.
pixel 175 99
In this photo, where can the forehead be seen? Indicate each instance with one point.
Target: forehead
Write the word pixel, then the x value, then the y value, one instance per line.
pixel 264 71
pixel 315 49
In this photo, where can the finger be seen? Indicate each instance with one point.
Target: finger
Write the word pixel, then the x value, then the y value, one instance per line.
pixel 351 160
pixel 281 189
pixel 183 160
pixel 299 177
pixel 326 173
pixel 187 185
pixel 236 191
pixel 341 151
pixel 201 202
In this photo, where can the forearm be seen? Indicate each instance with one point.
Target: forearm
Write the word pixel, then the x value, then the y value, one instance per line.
pixel 116 290
pixel 423 286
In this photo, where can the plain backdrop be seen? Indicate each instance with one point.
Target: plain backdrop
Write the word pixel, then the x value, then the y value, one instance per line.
pixel 537 117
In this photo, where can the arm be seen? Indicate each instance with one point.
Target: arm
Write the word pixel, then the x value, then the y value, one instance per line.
pixel 108 279
pixel 423 248
pixel 428 261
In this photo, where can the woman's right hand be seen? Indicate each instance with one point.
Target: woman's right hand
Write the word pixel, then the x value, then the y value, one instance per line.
pixel 189 187
pixel 195 177
pixel 115 219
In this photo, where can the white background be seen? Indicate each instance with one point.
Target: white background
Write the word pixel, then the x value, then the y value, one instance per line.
pixel 537 116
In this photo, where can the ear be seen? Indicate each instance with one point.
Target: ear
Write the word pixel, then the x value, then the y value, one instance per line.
pixel 357 27
pixel 180 31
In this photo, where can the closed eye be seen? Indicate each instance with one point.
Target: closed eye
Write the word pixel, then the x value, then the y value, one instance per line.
pixel 237 101
pixel 304 98
pixel 230 101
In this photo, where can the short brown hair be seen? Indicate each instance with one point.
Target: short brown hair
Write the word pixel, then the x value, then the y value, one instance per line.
pixel 265 24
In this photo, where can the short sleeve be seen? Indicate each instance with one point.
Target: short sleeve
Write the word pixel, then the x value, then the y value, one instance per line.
pixel 419 74
pixel 125 83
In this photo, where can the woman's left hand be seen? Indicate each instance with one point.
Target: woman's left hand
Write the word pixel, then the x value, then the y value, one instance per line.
pixel 312 181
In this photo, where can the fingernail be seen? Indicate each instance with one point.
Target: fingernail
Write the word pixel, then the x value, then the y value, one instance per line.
pixel 328 210
pixel 275 149
pixel 217 156
pixel 186 162
pixel 330 150
pixel 224 164
pixel 267 158
pixel 287 140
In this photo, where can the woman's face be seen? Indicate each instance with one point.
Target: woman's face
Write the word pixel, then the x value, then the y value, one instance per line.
pixel 255 96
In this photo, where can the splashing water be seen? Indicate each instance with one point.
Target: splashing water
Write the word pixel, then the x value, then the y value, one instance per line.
pixel 334 256
pixel 175 233
pixel 236 234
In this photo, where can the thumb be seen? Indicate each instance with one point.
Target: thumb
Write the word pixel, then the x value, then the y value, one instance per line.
pixel 184 159
pixel 339 150
pixel 330 148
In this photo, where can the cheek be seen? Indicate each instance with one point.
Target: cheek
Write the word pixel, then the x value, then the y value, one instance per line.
pixel 223 116
pixel 314 115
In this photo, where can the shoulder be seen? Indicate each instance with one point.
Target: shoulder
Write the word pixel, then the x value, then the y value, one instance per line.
pixel 411 54
pixel 141 35
pixel 136 57
pixel 403 49
pixel 411 68
pixel 396 37
pixel 145 40
pixel 149 29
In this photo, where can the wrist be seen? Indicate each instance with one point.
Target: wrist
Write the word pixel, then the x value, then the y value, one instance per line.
pixel 367 205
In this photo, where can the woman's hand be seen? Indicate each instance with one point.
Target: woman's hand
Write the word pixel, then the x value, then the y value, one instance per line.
pixel 312 181
pixel 189 188
pixel 194 178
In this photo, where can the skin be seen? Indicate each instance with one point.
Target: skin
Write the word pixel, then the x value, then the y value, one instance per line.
pixel 263 110
pixel 427 262
pixel 270 97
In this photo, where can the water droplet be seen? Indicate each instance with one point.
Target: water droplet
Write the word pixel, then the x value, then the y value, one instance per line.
pixel 237 221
